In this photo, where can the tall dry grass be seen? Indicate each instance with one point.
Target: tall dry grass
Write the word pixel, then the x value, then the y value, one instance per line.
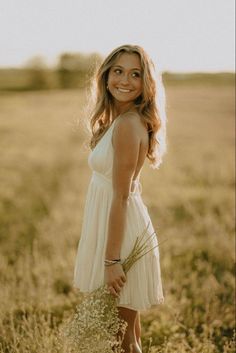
pixel 44 177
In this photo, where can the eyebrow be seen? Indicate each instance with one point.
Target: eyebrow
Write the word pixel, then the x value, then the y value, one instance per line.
pixel 135 68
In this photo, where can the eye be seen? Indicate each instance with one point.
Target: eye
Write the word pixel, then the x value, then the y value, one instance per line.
pixel 136 74
pixel 117 71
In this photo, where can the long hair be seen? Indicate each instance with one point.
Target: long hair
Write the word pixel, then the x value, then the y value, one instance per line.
pixel 150 104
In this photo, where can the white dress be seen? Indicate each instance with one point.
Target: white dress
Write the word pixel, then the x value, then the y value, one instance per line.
pixel 143 287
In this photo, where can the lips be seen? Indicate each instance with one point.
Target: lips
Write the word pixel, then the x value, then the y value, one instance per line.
pixel 123 90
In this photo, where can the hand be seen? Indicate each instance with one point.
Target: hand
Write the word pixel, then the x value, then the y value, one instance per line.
pixel 115 278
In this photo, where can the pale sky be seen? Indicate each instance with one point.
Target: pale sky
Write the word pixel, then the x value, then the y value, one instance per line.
pixel 180 35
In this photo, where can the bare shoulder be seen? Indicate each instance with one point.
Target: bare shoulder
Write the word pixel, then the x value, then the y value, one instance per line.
pixel 133 123
pixel 126 130
pixel 130 131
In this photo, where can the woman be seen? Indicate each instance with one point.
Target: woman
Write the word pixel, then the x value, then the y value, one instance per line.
pixel 127 126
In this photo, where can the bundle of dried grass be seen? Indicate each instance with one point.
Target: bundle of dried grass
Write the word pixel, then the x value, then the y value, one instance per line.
pixel 96 326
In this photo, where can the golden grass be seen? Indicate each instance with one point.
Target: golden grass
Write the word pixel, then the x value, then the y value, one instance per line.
pixel 44 177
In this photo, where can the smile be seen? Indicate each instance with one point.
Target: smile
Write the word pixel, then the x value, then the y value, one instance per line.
pixel 123 90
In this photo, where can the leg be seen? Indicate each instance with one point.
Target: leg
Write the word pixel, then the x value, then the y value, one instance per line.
pixel 129 344
pixel 138 330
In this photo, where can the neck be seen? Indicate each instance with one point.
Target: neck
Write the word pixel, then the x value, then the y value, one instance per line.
pixel 123 108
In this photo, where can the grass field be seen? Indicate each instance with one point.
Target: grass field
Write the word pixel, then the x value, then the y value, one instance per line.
pixel 44 177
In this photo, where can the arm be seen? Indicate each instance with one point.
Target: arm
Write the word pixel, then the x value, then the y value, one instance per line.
pixel 126 143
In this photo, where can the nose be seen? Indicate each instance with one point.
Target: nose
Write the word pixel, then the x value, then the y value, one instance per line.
pixel 125 79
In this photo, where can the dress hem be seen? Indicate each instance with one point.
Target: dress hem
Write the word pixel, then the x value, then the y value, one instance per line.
pixel 151 306
pixel 159 301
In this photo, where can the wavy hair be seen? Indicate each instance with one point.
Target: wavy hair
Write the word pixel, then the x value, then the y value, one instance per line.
pixel 150 104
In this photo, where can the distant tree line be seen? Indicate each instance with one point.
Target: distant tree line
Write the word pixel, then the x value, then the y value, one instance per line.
pixel 73 70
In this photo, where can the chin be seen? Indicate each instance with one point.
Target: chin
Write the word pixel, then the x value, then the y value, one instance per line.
pixel 125 100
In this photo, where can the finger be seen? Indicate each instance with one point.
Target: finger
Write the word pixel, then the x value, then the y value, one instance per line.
pixel 123 278
pixel 120 282
pixel 117 287
pixel 113 292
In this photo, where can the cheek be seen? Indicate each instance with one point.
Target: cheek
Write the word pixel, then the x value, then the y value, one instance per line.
pixel 140 87
pixel 112 79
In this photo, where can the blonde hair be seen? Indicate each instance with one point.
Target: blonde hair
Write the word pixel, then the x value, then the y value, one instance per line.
pixel 150 104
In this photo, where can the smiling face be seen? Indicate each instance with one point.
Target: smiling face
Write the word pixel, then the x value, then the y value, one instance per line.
pixel 125 80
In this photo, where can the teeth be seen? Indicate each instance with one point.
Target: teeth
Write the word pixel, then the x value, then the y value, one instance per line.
pixel 123 90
